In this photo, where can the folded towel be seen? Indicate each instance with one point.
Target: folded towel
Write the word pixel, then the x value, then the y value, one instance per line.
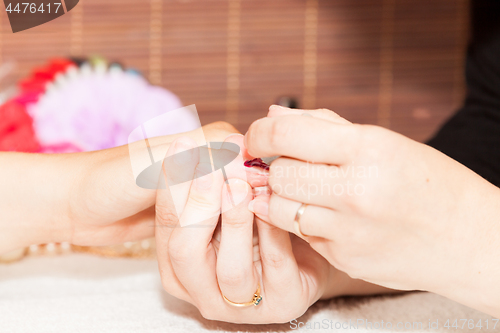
pixel 82 293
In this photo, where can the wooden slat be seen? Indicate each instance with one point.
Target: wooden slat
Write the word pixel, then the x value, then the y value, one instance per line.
pixel 391 62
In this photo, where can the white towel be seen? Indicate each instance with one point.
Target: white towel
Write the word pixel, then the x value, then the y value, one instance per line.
pixel 82 293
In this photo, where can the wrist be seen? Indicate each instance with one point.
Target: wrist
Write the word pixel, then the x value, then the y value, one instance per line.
pixel 60 173
pixel 34 192
pixel 470 259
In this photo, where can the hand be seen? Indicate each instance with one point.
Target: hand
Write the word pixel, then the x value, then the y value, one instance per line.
pixel 109 205
pixel 381 207
pixel 85 198
pixel 199 268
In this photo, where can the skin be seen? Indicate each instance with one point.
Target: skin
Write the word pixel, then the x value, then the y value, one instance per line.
pixel 84 198
pixel 92 199
pixel 199 263
pixel 421 221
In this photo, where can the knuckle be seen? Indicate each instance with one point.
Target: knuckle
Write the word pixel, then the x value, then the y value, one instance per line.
pixel 166 216
pixel 281 133
pixel 203 202
pixel 232 278
pixel 236 222
pixel 179 253
pixel 274 260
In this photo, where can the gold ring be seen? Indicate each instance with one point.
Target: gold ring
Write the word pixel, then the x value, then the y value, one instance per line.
pixel 257 298
pixel 296 222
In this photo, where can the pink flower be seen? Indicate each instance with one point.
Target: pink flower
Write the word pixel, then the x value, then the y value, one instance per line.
pixel 91 109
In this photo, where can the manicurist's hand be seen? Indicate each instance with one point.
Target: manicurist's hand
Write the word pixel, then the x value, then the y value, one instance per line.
pixel 199 263
pixel 85 198
pixel 381 207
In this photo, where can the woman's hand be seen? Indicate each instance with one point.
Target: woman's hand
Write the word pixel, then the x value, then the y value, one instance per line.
pixel 198 267
pixel 382 207
pixel 85 198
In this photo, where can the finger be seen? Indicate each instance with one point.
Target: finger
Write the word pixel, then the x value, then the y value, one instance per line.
pixel 315 267
pixel 167 218
pixel 179 170
pixel 280 272
pixel 204 201
pixel 318 184
pixel 325 114
pixel 262 190
pixel 191 251
pixel 303 138
pixel 254 176
pixel 235 266
pixel 281 212
pixel 113 176
pixel 239 139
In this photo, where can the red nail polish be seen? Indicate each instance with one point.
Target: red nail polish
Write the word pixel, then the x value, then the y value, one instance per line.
pixel 257 162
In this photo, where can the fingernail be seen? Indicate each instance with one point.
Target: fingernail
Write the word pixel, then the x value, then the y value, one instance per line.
pixel 203 176
pixel 234 134
pixel 238 191
pixel 279 106
pixel 259 207
pixel 250 206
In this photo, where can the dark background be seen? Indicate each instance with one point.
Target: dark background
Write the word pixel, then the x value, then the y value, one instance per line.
pixel 398 64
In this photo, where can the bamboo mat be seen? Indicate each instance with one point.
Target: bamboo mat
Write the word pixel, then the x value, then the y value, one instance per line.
pixel 396 63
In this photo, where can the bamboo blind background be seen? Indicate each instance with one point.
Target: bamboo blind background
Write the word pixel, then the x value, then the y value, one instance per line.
pixel 396 63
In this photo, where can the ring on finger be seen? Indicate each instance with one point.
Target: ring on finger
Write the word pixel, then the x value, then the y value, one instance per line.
pixel 257 298
pixel 296 221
